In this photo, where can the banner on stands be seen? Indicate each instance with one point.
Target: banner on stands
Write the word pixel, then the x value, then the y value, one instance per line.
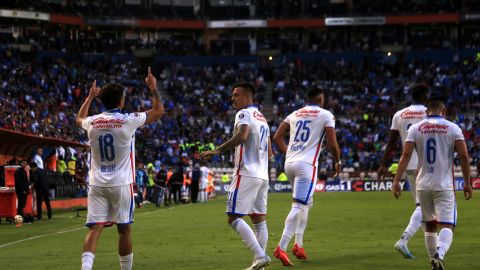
pixel 344 21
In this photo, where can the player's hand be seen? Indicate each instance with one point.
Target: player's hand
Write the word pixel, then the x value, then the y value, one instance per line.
pixel 94 90
pixel 208 154
pixel 151 81
pixel 381 172
pixel 397 189
pixel 468 192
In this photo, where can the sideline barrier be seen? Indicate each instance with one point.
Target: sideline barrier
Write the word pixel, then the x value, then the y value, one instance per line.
pixel 338 185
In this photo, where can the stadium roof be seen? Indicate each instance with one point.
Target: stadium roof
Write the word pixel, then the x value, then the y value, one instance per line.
pixel 18 144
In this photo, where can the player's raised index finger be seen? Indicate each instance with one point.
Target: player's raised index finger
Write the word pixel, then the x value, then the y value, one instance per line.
pixel 149 71
pixel 94 85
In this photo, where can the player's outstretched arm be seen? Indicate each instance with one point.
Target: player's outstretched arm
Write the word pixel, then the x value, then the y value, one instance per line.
pixel 156 112
pixel 391 146
pixel 279 137
pixel 402 167
pixel 238 138
pixel 461 148
pixel 332 145
pixel 83 112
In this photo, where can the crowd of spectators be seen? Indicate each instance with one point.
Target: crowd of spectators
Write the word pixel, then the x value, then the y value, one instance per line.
pixel 43 97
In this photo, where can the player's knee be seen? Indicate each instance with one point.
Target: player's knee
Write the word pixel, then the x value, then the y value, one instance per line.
pixel 431 226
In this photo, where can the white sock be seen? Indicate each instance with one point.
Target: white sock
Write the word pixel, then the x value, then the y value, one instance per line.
pixel 200 196
pixel 413 226
pixel 431 243
pixel 261 233
pixel 445 237
pixel 291 224
pixel 248 237
pixel 87 260
pixel 301 226
pixel 126 262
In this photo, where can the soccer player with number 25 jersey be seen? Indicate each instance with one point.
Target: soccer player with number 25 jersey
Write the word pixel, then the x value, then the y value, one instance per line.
pixel 112 142
pixel 308 127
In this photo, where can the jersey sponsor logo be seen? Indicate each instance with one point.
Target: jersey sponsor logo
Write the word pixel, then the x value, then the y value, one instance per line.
pixel 412 114
pixel 307 113
pixel 297 147
pixel 107 168
pixel 259 116
pixel 102 122
pixel 432 128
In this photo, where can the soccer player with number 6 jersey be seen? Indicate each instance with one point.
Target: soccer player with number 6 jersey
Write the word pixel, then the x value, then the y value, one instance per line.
pixel 435 139
pixel 112 142
pixel 307 128
pixel 248 191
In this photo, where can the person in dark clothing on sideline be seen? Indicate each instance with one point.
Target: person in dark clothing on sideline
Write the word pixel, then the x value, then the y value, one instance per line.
pixel 39 181
pixel 161 181
pixel 21 187
pixel 176 182
pixel 196 174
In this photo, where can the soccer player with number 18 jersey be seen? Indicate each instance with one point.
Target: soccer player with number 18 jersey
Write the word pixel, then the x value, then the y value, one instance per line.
pixel 435 140
pixel 112 141
pixel 308 127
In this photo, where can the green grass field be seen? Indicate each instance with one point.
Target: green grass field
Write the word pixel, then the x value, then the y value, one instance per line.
pixel 345 231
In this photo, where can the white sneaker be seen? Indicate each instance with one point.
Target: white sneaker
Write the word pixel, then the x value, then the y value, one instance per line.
pixel 403 249
pixel 259 263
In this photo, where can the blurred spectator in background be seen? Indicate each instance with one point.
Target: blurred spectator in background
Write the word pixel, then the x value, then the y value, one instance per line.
pixel 194 186
pixel 21 187
pixel 51 161
pixel 61 165
pixel 140 179
pixel 38 178
pixel 37 158
pixel 176 182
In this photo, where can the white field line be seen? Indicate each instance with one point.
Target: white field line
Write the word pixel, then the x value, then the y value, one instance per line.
pixel 39 236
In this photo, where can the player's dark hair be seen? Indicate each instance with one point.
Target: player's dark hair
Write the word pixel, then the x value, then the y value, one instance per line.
pixel 246 86
pixel 314 92
pixel 111 95
pixel 419 93
pixel 435 104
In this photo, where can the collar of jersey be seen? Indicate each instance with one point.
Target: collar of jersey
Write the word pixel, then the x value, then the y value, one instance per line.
pixel 313 105
pixel 116 110
pixel 251 106
pixel 434 116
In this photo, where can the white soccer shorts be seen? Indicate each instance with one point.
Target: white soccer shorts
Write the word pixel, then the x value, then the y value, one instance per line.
pixel 438 206
pixel 110 205
pixel 412 181
pixel 247 196
pixel 303 177
pixel 203 184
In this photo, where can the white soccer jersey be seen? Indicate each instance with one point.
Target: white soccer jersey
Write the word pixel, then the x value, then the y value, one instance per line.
pixel 112 144
pixel 434 140
pixel 205 172
pixel 251 157
pixel 307 131
pixel 402 120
